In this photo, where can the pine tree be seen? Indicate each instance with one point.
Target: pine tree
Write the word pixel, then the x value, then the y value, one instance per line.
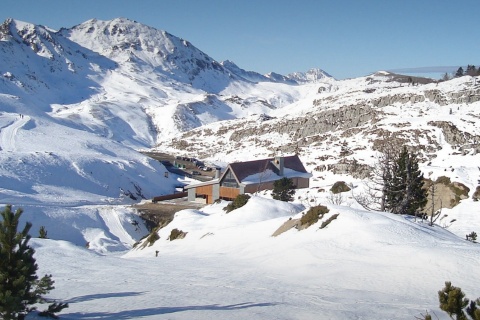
pixel 459 72
pixel 453 301
pixel 20 287
pixel 283 189
pixel 471 70
pixel 473 309
pixel 404 192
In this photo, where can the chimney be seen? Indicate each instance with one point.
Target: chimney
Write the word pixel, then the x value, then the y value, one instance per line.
pixel 217 173
pixel 278 162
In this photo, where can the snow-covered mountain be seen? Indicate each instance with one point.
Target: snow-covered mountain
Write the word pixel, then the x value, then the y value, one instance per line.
pixel 76 105
pixel 311 76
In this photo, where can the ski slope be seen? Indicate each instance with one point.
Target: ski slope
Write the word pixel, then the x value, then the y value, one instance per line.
pixel 9 132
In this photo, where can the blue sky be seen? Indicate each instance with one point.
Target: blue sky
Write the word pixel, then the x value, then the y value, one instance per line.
pixel 346 38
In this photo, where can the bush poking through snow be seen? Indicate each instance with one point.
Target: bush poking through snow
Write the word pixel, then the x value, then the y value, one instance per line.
pixel 472 236
pixel 152 237
pixel 452 301
pixel 313 215
pixel 327 222
pixel 238 202
pixel 176 234
pixel 339 187
pixel 42 233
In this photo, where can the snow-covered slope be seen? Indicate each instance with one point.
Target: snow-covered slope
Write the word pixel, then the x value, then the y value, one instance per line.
pixel 363 265
pixel 339 128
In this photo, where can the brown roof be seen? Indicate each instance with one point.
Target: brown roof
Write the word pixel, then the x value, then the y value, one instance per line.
pixel 244 169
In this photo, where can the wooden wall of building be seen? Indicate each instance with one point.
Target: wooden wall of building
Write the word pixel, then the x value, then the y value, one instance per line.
pixel 229 193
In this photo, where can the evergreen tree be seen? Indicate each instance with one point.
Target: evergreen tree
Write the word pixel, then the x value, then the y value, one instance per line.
pixel 459 72
pixel 404 192
pixel 453 301
pixel 283 189
pixel 20 287
pixel 471 70
pixel 473 309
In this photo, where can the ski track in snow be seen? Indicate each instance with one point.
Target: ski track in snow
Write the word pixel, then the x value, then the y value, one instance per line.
pixel 115 227
pixel 8 133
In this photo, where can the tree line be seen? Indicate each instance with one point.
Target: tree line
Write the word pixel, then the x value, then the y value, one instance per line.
pixel 470 70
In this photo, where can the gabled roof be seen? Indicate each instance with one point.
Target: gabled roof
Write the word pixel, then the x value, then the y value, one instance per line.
pixel 246 169
pixel 241 170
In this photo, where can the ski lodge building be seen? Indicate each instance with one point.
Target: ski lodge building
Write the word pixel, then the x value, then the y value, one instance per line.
pixel 249 177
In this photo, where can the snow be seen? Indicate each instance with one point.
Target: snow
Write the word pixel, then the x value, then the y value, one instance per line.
pixel 92 96
pixel 269 175
pixel 363 265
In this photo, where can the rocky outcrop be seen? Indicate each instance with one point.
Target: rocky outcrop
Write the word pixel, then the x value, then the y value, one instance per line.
pixel 470 95
pixel 464 141
pixel 396 99
pixel 439 97
pixel 350 167
pixel 312 123
pixel 446 194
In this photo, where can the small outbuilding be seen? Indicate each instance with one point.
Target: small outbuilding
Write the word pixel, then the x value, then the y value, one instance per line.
pixel 249 177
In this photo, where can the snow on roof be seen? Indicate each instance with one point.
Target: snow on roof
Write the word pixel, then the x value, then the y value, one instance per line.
pixel 269 175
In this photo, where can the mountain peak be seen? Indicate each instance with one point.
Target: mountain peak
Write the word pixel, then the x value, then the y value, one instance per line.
pixel 129 42
pixel 312 75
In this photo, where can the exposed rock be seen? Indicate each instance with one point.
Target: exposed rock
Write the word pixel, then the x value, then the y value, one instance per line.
pixel 176 234
pixel 339 187
pixel 351 167
pixel 476 194
pixel 311 124
pixel 289 224
pixel 447 194
pixel 465 141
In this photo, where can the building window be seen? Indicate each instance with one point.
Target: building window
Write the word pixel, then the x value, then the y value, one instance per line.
pixel 229 180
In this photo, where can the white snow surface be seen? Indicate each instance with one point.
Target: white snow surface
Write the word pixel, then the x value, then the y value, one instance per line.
pixel 364 265
pixel 269 175
pixel 77 105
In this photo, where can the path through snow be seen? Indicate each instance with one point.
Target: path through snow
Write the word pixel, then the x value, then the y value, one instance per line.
pixel 9 132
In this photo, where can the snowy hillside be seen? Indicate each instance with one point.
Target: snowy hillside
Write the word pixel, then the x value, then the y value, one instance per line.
pixel 363 265
pixel 77 104
pixel 342 123
pixel 340 127
pixel 89 94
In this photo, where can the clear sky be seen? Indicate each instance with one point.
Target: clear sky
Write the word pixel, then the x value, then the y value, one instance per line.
pixel 346 38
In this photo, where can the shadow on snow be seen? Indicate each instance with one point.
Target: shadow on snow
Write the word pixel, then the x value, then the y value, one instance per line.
pixel 134 314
